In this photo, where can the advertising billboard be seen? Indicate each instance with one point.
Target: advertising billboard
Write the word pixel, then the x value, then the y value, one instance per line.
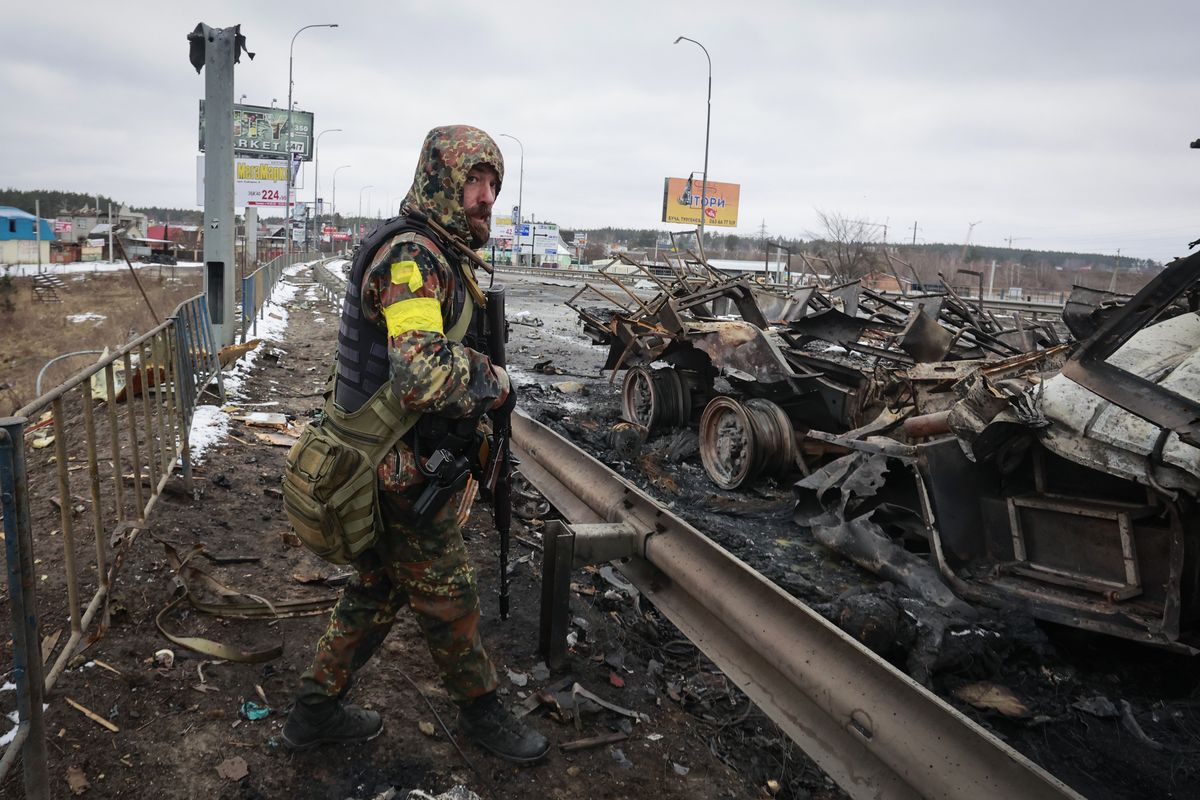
pixel 681 202
pixel 260 132
pixel 256 182
pixel 539 238
pixel 502 228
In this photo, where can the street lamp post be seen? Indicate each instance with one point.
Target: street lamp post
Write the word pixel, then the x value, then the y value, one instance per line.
pixel 333 203
pixel 358 235
pixel 520 195
pixel 316 179
pixel 707 121
pixel 289 133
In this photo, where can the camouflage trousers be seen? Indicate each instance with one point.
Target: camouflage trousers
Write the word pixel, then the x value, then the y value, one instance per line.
pixel 426 568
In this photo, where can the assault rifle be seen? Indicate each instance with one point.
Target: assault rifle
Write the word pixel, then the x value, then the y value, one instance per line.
pixel 498 477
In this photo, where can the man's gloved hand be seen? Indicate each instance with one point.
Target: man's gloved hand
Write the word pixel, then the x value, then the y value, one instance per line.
pixel 507 400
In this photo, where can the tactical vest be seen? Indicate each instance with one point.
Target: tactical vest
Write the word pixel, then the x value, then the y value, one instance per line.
pixel 329 483
pixel 362 359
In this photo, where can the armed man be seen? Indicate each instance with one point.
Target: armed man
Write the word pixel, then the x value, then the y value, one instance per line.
pixel 412 384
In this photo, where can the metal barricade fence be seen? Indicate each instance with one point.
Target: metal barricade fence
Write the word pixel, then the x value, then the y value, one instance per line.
pixel 129 444
pixel 256 288
pixel 332 284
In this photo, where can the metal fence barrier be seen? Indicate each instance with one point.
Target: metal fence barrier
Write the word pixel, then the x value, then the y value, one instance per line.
pixel 120 453
pixel 331 283
pixel 256 288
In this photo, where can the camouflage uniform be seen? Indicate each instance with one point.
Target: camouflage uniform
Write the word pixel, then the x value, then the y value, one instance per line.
pixel 410 291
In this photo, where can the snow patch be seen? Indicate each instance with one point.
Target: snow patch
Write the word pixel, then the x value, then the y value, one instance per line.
pixel 15 719
pixel 210 426
pixel 78 267
pixel 12 734
pixel 87 316
pixel 271 328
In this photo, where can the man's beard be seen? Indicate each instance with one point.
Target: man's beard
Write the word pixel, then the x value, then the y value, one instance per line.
pixel 481 231
pixel 479 224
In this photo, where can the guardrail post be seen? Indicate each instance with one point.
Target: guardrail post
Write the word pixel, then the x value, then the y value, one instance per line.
pixel 27 652
pixel 210 345
pixel 185 401
pixel 247 304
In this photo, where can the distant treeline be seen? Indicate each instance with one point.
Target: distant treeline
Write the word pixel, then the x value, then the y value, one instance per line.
pixel 54 201
pixel 719 244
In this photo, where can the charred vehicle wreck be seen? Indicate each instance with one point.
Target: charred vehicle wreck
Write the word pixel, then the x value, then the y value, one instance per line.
pixel 1074 492
pixel 963 454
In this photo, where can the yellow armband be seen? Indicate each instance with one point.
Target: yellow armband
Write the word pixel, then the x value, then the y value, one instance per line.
pixel 415 314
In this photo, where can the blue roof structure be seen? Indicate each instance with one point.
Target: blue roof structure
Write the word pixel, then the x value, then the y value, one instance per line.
pixel 18 224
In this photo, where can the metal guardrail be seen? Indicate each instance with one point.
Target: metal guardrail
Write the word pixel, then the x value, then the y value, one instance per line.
pixel 256 288
pixel 149 390
pixel 1033 303
pixel 332 284
pixel 870 727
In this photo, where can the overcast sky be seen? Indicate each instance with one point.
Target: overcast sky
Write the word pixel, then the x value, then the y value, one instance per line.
pixel 1064 125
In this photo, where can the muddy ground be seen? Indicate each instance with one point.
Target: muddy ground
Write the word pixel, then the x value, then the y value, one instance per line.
pixel 180 725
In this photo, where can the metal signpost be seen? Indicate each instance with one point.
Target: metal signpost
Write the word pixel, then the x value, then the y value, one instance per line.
pixel 216 50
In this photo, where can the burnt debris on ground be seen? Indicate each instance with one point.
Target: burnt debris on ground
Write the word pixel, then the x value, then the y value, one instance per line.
pixel 986 471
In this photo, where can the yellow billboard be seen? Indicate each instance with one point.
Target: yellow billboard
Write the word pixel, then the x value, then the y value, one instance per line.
pixel 681 202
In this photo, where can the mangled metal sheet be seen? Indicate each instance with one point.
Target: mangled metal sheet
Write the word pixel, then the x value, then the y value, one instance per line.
pixel 836 503
pixel 1089 430
pixel 832 357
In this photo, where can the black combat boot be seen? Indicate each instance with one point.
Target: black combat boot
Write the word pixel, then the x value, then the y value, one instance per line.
pixel 493 727
pixel 310 725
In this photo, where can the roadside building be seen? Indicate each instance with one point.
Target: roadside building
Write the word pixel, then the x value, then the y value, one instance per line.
pixel 77 225
pixel 19 237
pixel 186 242
pixel 881 282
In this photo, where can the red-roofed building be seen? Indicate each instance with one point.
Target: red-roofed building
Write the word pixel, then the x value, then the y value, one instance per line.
pixel 188 239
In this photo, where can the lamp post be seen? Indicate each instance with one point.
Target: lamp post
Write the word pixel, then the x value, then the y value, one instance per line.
pixel 520 195
pixel 288 215
pixel 333 204
pixel 707 121
pixel 358 236
pixel 316 178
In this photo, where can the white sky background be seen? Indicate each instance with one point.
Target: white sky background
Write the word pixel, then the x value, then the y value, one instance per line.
pixel 1064 125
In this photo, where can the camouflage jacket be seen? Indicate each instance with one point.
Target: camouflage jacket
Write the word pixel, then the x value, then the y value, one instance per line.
pixel 410 289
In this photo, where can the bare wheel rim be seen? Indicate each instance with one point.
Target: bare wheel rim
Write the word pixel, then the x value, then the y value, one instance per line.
pixel 726 442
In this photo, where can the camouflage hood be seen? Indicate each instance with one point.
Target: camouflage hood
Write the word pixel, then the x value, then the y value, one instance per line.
pixel 448 154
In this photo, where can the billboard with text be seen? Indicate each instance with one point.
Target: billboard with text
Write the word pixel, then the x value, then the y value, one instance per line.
pixel 256 182
pixel 681 202
pixel 261 132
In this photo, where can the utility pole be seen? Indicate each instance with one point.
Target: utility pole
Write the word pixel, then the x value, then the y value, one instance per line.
pixel 37 230
pixel 290 154
pixel 707 126
pixel 914 233
pixel 216 50
pixel 1112 284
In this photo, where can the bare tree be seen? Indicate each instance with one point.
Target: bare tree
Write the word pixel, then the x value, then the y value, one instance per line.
pixel 853 247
